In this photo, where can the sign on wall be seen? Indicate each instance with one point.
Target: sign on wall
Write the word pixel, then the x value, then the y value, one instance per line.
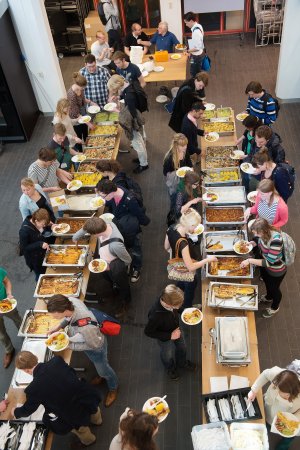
pixel 204 6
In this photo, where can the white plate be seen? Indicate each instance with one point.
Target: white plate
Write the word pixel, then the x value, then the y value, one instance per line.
pixel 74 185
pixel 242 116
pixel 198 230
pixel 13 303
pixel 206 197
pixel 84 119
pixel 56 228
pixel 209 106
pixel 213 135
pixel 107 216
pixel 147 405
pixel 58 201
pixel 252 196
pixel 145 73
pixel 97 202
pixel 190 310
pixel 181 49
pixel 176 56
pixel 289 416
pixel 158 69
pixel 92 269
pixel 250 223
pixel 78 158
pixel 110 106
pixel 237 154
pixel 53 347
pixel 250 247
pixel 247 168
pixel 93 109
pixel 161 99
pixel 182 171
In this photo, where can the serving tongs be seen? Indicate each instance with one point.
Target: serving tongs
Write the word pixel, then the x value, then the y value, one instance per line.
pixel 239 236
pixel 248 300
pixel 77 275
pixel 211 244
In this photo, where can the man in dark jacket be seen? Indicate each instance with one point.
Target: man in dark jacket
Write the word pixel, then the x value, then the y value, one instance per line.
pixel 190 128
pixel 163 325
pixel 129 217
pixel 70 404
pixel 265 137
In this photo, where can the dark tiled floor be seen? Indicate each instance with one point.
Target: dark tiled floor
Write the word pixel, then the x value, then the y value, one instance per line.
pixel 135 357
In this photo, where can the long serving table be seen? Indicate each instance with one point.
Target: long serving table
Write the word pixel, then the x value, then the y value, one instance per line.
pixel 210 368
pixel 175 70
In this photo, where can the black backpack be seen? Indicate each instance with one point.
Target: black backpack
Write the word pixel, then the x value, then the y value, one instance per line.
pixel 142 97
pixel 266 97
pixel 101 12
pixel 133 187
pixel 291 175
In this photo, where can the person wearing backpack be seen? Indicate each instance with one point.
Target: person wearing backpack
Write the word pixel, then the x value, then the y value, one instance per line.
pixel 197 52
pixel 129 216
pixel 109 15
pixel 261 104
pixel 272 264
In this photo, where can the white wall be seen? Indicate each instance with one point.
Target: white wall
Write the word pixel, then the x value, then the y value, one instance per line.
pixel 288 74
pixel 207 6
pixel 170 11
pixel 35 39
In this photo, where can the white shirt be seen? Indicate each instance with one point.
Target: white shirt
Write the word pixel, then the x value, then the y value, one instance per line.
pixel 197 39
pixel 96 50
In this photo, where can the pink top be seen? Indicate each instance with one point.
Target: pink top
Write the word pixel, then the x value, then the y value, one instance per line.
pixel 282 212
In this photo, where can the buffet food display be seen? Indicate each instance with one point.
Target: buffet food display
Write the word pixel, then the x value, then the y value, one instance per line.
pixel 222 176
pixel 87 166
pixel 37 323
pixel 222 241
pixel 88 179
pixel 74 223
pixel 100 142
pixel 228 267
pixel 61 283
pixel 222 215
pixel 66 255
pixel 233 296
pixel 222 128
pixel 105 130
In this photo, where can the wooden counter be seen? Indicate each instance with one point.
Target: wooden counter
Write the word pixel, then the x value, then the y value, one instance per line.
pixel 175 70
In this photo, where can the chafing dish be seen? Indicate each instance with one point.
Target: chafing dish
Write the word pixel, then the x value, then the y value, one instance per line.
pixel 76 223
pixel 222 127
pixel 87 166
pixel 232 296
pixel 232 341
pixel 229 195
pixel 67 251
pixel 224 111
pixel 88 179
pixel 247 272
pixel 219 156
pixel 32 318
pixel 96 153
pixel 81 203
pixel 213 215
pixel 104 130
pixel 39 349
pixel 107 118
pixel 68 284
pixel 222 176
pixel 222 241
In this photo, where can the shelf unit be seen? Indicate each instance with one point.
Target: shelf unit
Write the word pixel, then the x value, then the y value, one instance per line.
pixel 66 19
pixel 269 21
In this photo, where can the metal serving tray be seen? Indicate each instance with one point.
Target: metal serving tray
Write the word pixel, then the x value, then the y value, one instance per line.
pixel 80 203
pixel 243 302
pixel 224 224
pixel 229 195
pixel 208 181
pixel 76 176
pixel 224 273
pixel 207 129
pixel 38 348
pixel 67 220
pixel 105 134
pixel 59 275
pixel 93 162
pixel 29 314
pixel 232 341
pixel 101 149
pixel 61 248
pixel 226 238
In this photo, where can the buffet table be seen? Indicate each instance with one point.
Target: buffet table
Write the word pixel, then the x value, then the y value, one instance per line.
pixel 175 70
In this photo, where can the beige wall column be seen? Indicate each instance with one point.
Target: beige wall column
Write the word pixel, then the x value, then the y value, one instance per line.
pixel 170 11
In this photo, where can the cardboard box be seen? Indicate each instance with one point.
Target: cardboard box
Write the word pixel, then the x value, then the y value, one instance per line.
pixel 92 24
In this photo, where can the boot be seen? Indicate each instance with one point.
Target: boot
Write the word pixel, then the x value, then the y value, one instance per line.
pixel 111 397
pixel 96 381
pixel 96 419
pixel 85 435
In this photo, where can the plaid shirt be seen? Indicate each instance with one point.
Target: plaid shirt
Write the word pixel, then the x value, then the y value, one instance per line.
pixel 96 89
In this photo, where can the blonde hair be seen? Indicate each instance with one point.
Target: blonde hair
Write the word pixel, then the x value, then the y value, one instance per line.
pixel 115 83
pixel 172 295
pixel 179 139
pixel 79 79
pixel 25 360
pixel 27 182
pixel 62 104
pixel 266 186
pixel 190 219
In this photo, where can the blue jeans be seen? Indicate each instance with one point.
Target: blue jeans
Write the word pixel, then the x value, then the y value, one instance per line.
pixel 136 254
pixel 188 288
pixel 196 64
pixel 173 353
pixel 99 358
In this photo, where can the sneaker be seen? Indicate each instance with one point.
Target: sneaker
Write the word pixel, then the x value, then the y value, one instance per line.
pixel 173 374
pixel 135 276
pixel 135 160
pixel 269 312
pixel 264 299
pixel 123 150
pixel 140 169
pixel 190 366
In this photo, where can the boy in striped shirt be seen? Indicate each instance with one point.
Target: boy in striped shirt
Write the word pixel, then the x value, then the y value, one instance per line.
pixel 261 104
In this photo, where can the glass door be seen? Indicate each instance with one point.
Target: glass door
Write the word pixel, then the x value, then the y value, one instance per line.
pixel 144 12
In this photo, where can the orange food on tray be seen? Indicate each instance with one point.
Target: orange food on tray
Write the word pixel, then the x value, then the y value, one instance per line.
pixel 224 214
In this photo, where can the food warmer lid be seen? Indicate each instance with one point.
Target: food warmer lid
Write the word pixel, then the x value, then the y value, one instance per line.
pixel 232 334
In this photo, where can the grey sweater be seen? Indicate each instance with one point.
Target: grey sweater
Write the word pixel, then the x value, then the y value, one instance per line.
pixel 117 249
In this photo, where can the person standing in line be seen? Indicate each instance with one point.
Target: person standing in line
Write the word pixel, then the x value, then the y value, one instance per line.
pixel 33 198
pixel 260 104
pixel 61 145
pixel 85 335
pixel 97 77
pixel 272 265
pixel 6 292
pixel 102 52
pixel 196 51
pixel 190 128
pixel 136 38
pixel 127 69
pixel 70 404
pixel 163 325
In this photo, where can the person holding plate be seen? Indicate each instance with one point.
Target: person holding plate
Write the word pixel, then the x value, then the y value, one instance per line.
pixel 6 292
pixel 190 129
pixel 61 115
pixel 283 395
pixel 33 198
pixel 61 145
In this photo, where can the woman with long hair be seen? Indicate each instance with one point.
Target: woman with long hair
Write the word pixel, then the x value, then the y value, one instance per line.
pixel 136 431
pixel 176 157
pixel 33 198
pixel 269 170
pixel 61 115
pixel 186 225
pixel 283 395
pixel 269 205
pixel 272 265
pixel 188 193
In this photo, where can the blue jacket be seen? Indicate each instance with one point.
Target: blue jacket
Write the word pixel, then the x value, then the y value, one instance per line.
pixel 165 42
pixel 27 206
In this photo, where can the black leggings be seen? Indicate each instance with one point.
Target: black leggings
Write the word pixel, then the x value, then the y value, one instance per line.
pixel 81 130
pixel 273 287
